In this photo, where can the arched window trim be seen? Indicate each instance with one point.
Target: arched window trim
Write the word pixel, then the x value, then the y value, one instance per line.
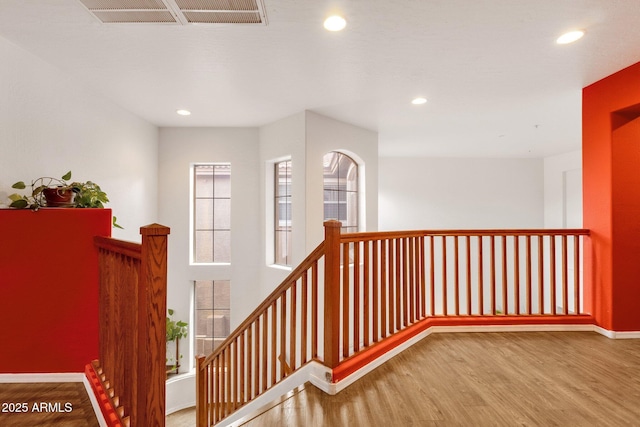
pixel 355 220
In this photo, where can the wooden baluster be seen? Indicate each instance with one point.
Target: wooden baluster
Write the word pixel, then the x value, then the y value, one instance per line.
pixel 356 296
pixel 391 284
pixel 565 279
pixel 576 274
pixel 293 327
pixel 468 250
pixel 404 283
pixel 346 289
pixel 445 304
pixel 552 269
pixel 303 317
pixel 383 287
pixel 375 288
pixel 412 280
pixel 480 278
pixel 265 354
pixel 505 278
pixel 257 358
pixel 432 279
pixel 247 364
pixel 314 310
pixel 274 342
pixel 493 274
pixel 234 375
pixel 365 294
pixel 528 274
pixel 227 386
pixel 541 274
pixel 423 279
pixel 456 274
pixel 516 273
pixel 241 371
pixel 283 336
pixel 398 281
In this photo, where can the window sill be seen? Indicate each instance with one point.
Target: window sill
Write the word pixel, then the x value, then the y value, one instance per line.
pixel 280 267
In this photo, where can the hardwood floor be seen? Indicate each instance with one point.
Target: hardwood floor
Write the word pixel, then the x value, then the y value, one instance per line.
pixel 45 404
pixel 484 379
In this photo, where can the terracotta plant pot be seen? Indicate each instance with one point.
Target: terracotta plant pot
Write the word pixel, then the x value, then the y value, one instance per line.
pixel 58 197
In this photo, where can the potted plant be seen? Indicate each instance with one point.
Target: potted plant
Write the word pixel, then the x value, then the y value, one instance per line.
pixel 176 329
pixel 59 192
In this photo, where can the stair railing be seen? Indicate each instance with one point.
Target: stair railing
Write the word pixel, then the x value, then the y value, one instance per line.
pixel 358 295
pixel 132 322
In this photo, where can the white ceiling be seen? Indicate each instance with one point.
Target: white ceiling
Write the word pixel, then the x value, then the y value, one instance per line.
pixel 496 82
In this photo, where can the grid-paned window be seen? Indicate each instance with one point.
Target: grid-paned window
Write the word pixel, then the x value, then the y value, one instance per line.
pixel 212 213
pixel 212 309
pixel 341 190
pixel 282 214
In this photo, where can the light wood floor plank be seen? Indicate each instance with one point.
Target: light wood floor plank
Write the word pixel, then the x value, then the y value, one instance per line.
pixel 480 379
pixel 47 404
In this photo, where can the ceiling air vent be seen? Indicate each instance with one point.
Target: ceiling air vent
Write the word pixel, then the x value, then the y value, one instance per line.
pixel 178 11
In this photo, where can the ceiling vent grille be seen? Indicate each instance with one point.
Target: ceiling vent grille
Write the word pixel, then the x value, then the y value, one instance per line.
pixel 178 11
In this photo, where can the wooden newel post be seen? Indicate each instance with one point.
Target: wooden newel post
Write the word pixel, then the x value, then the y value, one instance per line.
pixel 152 312
pixel 332 293
pixel 201 397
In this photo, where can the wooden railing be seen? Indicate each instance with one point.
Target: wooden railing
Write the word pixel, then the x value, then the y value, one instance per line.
pixel 397 279
pixel 278 338
pixel 356 293
pixel 132 347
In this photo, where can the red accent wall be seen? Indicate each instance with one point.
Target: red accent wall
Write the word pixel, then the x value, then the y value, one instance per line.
pixel 611 187
pixel 49 288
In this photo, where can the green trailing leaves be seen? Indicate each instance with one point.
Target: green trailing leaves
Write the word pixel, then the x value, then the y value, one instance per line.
pixel 87 194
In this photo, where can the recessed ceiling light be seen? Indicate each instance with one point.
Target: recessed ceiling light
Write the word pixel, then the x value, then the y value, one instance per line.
pixel 570 37
pixel 184 112
pixel 419 101
pixel 335 23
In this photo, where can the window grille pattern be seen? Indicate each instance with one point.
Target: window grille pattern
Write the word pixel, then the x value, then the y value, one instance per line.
pixel 212 213
pixel 212 311
pixel 282 226
pixel 341 190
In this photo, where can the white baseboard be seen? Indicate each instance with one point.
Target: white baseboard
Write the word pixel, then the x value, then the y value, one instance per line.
pixel 70 377
pixel 617 335
pixel 94 402
pixel 276 394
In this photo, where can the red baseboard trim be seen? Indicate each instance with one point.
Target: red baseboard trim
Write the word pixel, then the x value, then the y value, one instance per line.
pixel 108 411
pixel 371 353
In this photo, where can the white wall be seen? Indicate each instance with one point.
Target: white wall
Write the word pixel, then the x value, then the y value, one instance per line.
pixel 563 190
pixel 459 193
pixel 50 123
pixel 180 148
pixel 280 140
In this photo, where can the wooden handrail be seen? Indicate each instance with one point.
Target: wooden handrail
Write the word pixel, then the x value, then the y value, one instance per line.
pixel 130 249
pixel 376 235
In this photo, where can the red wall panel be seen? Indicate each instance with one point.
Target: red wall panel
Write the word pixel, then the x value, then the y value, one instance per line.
pixel 49 288
pixel 611 165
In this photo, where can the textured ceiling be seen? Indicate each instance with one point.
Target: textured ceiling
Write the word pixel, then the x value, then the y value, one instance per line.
pixel 496 82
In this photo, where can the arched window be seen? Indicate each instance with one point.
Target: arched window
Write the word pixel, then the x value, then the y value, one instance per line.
pixel 341 190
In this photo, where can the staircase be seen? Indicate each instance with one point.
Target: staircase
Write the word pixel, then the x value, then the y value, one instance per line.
pixel 358 298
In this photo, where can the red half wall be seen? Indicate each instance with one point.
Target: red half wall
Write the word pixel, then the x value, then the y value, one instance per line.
pixel 49 288
pixel 611 178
